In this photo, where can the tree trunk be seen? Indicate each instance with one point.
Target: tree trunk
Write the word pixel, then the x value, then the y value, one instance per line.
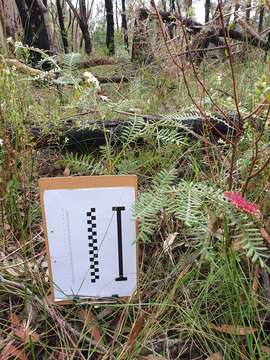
pixel 35 32
pixel 110 26
pixel 2 28
pixel 188 7
pixel 9 17
pixel 261 16
pixel 207 5
pixel 85 28
pixel 61 20
pixel 43 6
pixel 248 10
pixel 124 24
pixel 116 15
pixel 164 5
pixel 82 20
pixel 86 37
pixel 172 5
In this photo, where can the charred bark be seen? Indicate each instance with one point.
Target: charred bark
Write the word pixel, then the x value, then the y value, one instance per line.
pixel 233 33
pixel 110 27
pixel 261 17
pixel 172 5
pixel 207 5
pixel 124 24
pixel 61 20
pixel 8 18
pixel 82 20
pixel 33 22
pixel 95 133
pixel 85 28
pixel 248 10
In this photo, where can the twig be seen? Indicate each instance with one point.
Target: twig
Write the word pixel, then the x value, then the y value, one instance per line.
pixel 255 156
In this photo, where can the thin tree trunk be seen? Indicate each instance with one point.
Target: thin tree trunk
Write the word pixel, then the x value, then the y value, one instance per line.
pixel 164 5
pixel 172 5
pixel 124 24
pixel 9 17
pixel 61 20
pixel 110 26
pixel 188 7
pixel 207 5
pixel 248 10
pixel 42 4
pixel 35 32
pixel 116 15
pixel 83 23
pixel 2 28
pixel 261 16
pixel 85 28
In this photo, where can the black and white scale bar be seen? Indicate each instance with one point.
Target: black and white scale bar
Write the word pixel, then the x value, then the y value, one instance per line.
pixel 92 243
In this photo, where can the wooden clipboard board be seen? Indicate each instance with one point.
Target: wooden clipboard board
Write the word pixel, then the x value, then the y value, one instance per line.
pixel 49 186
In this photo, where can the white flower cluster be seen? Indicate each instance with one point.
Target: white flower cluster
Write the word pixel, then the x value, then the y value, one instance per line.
pixel 91 80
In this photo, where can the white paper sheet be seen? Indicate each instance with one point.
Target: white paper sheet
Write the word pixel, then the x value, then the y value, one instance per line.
pixel 83 232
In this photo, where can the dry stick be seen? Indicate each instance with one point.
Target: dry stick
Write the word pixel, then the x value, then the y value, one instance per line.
pixel 187 85
pixel 189 51
pixel 266 284
pixel 267 162
pixel 250 29
pixel 202 112
pixel 203 88
pixel 234 144
pixel 184 75
pixel 205 49
pixel 255 157
pixel 61 322
pixel 117 331
pixel 256 111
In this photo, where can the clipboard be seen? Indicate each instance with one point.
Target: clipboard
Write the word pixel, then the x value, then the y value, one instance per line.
pixel 91 237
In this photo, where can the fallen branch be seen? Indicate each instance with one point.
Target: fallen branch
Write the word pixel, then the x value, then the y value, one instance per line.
pixel 25 69
pixel 96 132
pixel 212 32
pixel 95 62
pixel 112 79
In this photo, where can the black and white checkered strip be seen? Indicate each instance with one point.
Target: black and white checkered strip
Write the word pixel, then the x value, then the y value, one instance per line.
pixel 93 246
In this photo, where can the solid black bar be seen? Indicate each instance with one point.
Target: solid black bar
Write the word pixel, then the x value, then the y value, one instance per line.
pixel 118 209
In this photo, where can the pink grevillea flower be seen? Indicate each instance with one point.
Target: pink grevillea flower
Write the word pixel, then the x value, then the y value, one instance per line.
pixel 240 203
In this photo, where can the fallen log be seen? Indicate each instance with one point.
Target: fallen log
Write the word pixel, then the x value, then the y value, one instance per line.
pixel 95 62
pixel 112 79
pixel 28 70
pixel 96 133
pixel 25 69
pixel 206 34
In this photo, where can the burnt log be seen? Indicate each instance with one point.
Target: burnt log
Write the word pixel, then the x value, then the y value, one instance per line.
pixel 96 133
pixel 205 34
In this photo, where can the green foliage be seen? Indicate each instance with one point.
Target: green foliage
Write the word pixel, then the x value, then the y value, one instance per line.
pixel 194 204
pixel 79 163
pixel 248 235
pixel 70 61
pixel 152 202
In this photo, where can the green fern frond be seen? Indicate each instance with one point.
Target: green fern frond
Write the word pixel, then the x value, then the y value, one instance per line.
pixel 132 131
pixel 164 179
pixel 71 61
pixel 250 239
pixel 152 202
pixel 78 163
pixel 194 204
pixel 167 135
pixel 188 204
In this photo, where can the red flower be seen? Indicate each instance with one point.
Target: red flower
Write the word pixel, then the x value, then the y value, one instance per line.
pixel 240 203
